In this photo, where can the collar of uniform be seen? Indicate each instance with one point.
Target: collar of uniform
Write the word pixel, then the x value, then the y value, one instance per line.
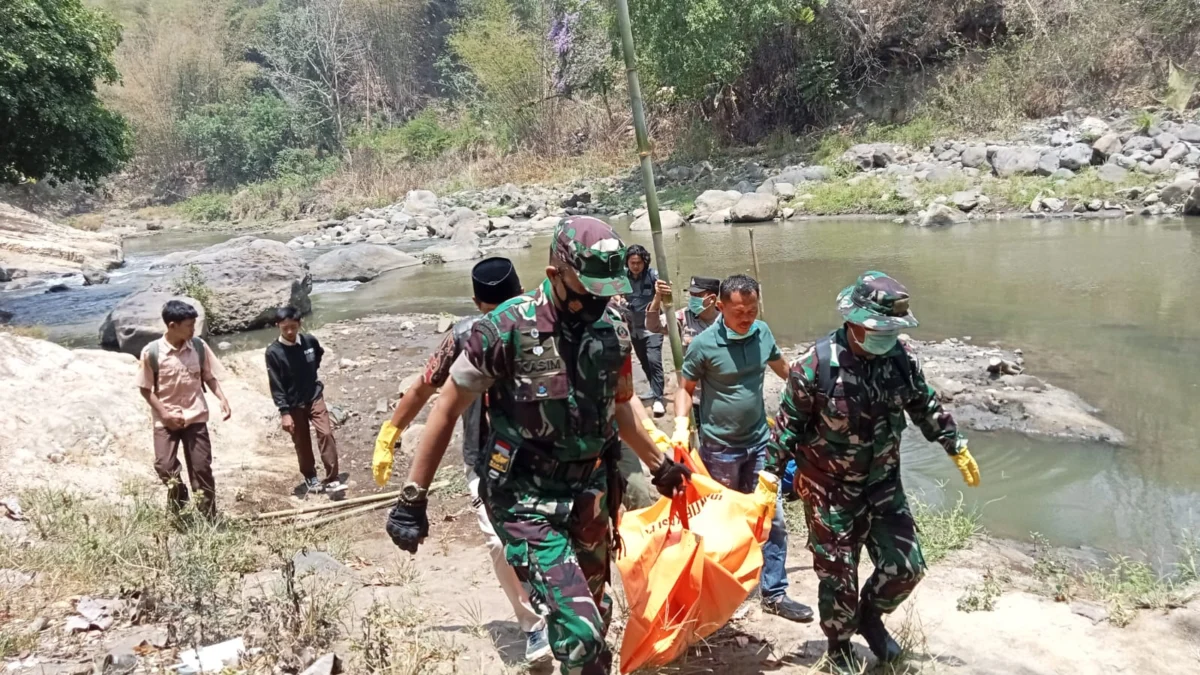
pixel 167 348
pixel 285 343
pixel 723 331
pixel 546 313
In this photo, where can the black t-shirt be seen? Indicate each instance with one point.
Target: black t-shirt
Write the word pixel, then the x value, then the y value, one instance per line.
pixel 292 370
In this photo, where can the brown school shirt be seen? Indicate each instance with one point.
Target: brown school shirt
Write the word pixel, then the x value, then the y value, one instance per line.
pixel 179 379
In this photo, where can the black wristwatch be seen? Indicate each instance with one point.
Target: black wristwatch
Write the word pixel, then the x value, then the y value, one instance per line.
pixel 413 494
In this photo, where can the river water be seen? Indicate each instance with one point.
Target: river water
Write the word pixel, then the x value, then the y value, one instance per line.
pixel 1109 309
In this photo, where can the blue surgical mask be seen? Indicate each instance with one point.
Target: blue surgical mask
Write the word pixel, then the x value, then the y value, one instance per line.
pixel 696 305
pixel 879 343
pixel 734 335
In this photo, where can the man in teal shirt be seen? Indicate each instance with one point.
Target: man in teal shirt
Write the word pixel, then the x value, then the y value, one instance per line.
pixel 729 361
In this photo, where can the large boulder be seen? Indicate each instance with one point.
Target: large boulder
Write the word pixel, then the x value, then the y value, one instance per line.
pixel 137 320
pixel 974 156
pixel 464 220
pixel 40 247
pixel 249 278
pixel 1191 205
pixel 670 220
pixel 419 203
pixel 448 253
pixel 75 422
pixel 939 215
pixel 755 207
pixel 1007 162
pixel 1092 127
pixel 1112 173
pixel 1075 157
pixel 807 174
pixel 1107 145
pixel 711 201
pixel 358 262
pixel 1047 163
pixel 1189 133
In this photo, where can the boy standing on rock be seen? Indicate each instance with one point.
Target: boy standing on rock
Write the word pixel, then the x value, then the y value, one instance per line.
pixel 174 371
pixel 292 364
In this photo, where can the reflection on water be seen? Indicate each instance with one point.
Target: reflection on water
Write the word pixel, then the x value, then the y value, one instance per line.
pixel 1110 310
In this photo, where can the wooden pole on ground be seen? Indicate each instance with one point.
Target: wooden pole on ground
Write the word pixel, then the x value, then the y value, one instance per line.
pixel 339 516
pixel 762 303
pixel 645 153
pixel 382 496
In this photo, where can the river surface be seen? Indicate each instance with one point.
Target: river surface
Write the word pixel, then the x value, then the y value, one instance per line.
pixel 1109 309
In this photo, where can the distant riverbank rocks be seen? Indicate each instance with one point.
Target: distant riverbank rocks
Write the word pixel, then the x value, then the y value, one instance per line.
pixel 359 262
pixel 31 246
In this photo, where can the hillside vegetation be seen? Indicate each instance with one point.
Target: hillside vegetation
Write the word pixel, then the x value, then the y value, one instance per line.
pixel 255 108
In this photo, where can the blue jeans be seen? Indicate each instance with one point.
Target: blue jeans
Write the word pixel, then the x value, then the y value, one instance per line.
pixel 737 469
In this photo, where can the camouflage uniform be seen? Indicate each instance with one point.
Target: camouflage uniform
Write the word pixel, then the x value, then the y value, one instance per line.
pixel 844 434
pixel 551 484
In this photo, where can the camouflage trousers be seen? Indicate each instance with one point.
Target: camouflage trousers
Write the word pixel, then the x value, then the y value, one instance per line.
pixel 841 520
pixel 556 537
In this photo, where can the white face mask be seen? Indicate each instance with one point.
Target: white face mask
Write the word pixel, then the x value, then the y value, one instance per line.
pixel 879 342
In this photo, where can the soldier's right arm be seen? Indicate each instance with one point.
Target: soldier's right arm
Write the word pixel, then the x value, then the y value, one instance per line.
pixel 485 358
pixel 794 426
pixel 437 371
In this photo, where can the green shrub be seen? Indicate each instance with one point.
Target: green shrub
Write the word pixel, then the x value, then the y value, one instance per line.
pixel 192 284
pixel 423 137
pixel 239 142
pixel 206 207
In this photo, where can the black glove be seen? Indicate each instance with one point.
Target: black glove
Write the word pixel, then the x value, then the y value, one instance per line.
pixel 669 477
pixel 408 525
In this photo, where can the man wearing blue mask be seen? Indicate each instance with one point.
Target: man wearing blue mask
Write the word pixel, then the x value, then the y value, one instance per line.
pixel 841 417
pixel 728 362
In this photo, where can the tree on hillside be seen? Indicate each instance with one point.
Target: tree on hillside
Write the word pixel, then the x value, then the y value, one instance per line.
pixel 52 52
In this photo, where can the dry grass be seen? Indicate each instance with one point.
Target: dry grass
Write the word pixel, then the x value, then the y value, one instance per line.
pixel 36 332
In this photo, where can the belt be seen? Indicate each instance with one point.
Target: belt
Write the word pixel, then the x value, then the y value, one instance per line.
pixel 547 467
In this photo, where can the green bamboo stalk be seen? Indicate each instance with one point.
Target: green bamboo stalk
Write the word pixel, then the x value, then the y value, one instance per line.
pixel 645 152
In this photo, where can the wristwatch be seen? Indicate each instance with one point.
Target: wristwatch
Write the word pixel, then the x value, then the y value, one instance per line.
pixel 412 493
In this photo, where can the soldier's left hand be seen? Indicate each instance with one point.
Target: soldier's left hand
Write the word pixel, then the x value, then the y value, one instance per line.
pixel 967 466
pixel 669 477
pixel 408 525
pixel 657 436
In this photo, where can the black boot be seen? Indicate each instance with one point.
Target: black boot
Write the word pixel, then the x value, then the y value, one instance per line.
pixel 870 626
pixel 842 659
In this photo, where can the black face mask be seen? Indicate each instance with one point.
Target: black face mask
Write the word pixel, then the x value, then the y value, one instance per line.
pixel 592 306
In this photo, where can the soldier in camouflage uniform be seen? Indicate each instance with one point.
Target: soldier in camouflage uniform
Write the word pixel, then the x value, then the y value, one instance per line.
pixel 840 417
pixel 557 364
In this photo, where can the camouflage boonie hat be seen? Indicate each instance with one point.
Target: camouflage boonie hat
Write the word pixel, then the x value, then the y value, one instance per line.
pixel 876 302
pixel 591 248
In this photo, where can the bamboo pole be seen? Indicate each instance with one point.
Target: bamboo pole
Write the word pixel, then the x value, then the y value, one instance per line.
pixel 762 303
pixel 382 496
pixel 645 153
pixel 303 525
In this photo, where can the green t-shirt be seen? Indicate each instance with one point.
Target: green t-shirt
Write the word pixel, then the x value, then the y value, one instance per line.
pixel 730 373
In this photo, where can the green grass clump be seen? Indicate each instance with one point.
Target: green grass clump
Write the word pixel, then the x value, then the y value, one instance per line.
pixel 871 195
pixel 945 529
pixel 678 198
pixel 192 284
pixel 206 207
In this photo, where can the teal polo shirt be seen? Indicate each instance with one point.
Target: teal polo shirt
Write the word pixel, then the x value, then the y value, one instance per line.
pixel 730 373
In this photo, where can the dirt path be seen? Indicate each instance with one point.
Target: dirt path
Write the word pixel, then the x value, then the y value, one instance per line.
pixel 1025 633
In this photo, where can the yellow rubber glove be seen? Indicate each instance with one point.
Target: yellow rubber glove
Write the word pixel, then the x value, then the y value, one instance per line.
pixel 385 443
pixel 682 438
pixel 967 466
pixel 660 439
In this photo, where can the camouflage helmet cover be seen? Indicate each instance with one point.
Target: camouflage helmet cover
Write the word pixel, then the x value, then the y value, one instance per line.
pixel 591 248
pixel 876 302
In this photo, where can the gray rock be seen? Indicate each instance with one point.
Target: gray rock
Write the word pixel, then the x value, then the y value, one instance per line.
pixel 5 275
pixel 1178 191
pixel 719 217
pixel 670 220
pixel 1092 127
pixel 421 203
pixel 137 320
pixel 1177 152
pixel 1143 143
pixel 1095 205
pixel 948 156
pixel 1052 204
pixel 1048 163
pixel 1111 173
pixel 974 156
pixel 1090 610
pixel 580 197
pixel 1124 161
pixel 1075 157
pixel 744 187
pixel 711 201
pixel 1157 167
pixel 1192 159
pixel 1166 140
pixel 884 154
pixel 1189 133
pixel 1191 205
pixel 1062 174
pixel 861 156
pixel 785 190
pixel 965 200
pixel 1061 137
pixel 94 277
pixel 359 262
pixel 329 664
pixel 502 223
pixel 1008 162
pixel 249 278
pixel 448 253
pixel 1107 145
pixel 939 215
pixel 814 174
pixel 511 242
pixel 755 208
